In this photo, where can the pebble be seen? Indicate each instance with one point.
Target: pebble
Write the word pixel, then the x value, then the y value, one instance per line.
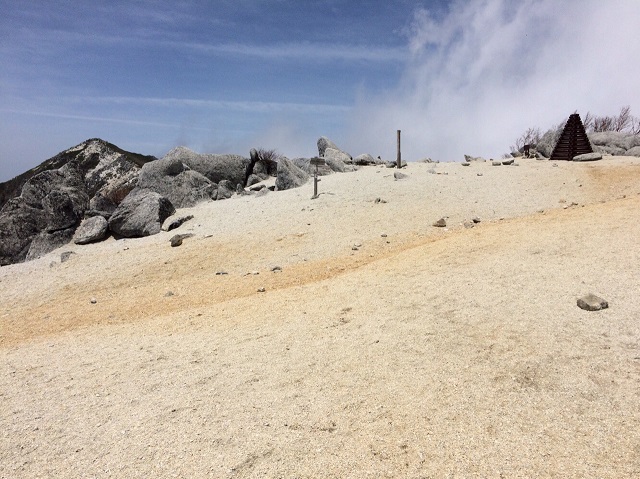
pixel 94 300
pixel 261 290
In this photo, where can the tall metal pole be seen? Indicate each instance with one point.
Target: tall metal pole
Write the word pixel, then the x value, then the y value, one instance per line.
pixel 399 157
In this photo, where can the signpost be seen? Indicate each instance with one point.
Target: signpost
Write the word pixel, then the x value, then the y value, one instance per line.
pixel 399 157
pixel 317 162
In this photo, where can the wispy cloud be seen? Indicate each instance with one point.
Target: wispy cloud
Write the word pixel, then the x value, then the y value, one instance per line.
pixel 64 116
pixel 488 69
pixel 310 52
pixel 238 106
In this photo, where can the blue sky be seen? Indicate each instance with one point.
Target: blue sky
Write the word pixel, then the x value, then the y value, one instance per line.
pixel 224 76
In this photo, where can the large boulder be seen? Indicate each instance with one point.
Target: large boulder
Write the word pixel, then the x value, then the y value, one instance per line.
pixel 214 167
pixel 337 160
pixel 45 242
pixel 548 141
pixel 141 213
pixel 289 175
pixel 305 165
pixel 324 143
pixel 609 150
pixel 225 190
pixel 91 230
pixel 173 180
pixel 366 160
pixel 588 157
pixel 635 151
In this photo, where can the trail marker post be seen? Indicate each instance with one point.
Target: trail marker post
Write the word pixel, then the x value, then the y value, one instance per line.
pixel 316 162
pixel 399 156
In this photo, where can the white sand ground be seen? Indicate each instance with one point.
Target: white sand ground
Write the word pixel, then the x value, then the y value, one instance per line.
pixel 427 352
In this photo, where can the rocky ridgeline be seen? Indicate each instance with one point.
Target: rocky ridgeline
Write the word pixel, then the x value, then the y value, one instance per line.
pixel 95 188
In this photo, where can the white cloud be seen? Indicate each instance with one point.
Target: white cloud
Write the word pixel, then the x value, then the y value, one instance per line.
pixel 489 69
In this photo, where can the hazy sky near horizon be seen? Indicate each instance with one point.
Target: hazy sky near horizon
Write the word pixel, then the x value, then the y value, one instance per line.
pixel 221 77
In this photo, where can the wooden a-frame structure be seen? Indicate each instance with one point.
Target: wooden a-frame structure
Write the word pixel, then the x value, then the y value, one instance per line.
pixel 573 141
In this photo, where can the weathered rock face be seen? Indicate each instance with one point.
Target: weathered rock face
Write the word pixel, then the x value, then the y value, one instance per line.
pixel 50 202
pixel 104 167
pixel 51 199
pixel 214 167
pixel 141 213
pixel 180 185
pixel 90 230
pixel 289 175
pixel 19 224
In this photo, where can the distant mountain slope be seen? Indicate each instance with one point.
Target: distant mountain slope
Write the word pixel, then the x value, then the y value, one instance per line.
pixel 90 154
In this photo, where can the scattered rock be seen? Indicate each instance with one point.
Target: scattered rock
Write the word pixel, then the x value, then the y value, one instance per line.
pixel 177 239
pixel 478 174
pixel 508 162
pixel 380 200
pixel 261 290
pixel 441 223
pixel 475 219
pixel 465 163
pixel 168 294
pixel 276 269
pixel 591 302
pixel 221 273
pixel 399 176
pixel 93 300
pixel 496 163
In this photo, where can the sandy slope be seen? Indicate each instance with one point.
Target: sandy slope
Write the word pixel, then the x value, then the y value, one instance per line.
pixel 423 353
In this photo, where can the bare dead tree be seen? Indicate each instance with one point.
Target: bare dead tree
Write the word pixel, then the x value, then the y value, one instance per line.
pixel 623 120
pixel 588 122
pixel 530 137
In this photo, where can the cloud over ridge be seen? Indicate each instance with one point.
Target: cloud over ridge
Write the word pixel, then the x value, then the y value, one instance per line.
pixel 485 70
